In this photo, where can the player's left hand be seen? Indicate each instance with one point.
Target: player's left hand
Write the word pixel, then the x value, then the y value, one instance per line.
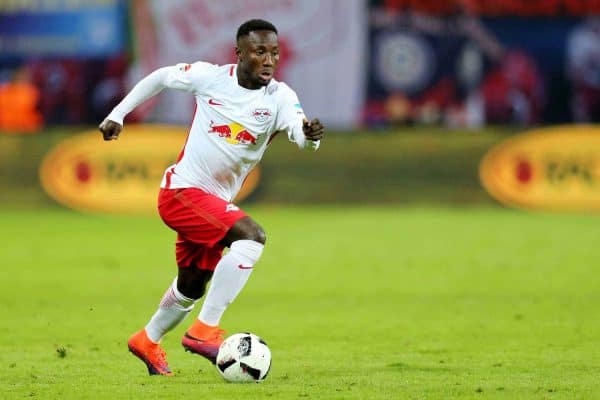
pixel 313 130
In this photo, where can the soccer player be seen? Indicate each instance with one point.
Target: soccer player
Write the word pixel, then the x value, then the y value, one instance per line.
pixel 240 108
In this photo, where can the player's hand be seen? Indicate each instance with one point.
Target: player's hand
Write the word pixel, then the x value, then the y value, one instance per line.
pixel 110 129
pixel 313 130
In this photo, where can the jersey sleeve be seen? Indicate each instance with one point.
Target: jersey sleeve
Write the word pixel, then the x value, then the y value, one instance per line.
pixel 290 118
pixel 187 77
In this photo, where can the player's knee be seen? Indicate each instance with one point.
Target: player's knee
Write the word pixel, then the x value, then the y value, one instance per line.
pixel 259 235
pixel 255 233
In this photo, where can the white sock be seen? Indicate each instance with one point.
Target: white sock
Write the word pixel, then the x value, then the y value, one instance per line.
pixel 173 309
pixel 231 274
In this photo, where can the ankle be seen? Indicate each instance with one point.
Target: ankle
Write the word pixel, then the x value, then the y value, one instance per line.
pixel 200 330
pixel 147 340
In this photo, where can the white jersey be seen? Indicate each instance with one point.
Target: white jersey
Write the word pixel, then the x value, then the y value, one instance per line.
pixel 231 129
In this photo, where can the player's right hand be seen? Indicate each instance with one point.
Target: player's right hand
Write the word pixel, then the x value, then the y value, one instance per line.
pixel 110 129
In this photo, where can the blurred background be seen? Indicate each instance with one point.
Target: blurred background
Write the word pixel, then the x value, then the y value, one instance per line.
pixel 414 93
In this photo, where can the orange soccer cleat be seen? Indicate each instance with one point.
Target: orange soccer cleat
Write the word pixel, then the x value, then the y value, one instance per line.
pixel 150 353
pixel 203 340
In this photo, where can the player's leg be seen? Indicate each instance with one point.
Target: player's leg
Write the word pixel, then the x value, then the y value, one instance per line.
pixel 179 298
pixel 177 302
pixel 245 240
pixel 173 308
pixel 192 281
pixel 205 225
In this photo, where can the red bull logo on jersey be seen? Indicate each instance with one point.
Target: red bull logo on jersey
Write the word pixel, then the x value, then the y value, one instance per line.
pixel 220 130
pixel 233 133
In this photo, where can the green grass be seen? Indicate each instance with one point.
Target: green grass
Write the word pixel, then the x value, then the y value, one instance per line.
pixel 355 303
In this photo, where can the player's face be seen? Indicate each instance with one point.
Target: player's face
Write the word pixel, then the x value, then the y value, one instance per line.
pixel 258 55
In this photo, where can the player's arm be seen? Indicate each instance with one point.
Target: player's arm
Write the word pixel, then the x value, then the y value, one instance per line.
pixel 175 77
pixel 306 134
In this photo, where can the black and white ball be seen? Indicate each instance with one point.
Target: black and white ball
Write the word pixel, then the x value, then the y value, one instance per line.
pixel 244 357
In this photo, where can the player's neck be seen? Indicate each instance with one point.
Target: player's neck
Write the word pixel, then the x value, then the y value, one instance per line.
pixel 244 80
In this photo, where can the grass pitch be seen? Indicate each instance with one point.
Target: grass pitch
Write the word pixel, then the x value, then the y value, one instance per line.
pixel 355 303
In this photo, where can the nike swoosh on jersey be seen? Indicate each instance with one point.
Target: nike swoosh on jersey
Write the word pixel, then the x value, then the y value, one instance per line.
pixel 241 266
pixel 214 103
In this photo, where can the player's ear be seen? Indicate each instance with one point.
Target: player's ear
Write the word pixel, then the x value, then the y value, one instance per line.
pixel 238 53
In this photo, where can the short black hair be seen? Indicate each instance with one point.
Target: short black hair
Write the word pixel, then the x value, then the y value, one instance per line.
pixel 254 25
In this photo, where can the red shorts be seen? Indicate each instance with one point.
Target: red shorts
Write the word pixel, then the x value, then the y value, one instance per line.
pixel 201 220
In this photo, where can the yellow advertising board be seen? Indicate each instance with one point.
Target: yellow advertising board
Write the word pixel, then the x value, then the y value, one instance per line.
pixel 554 168
pixel 121 176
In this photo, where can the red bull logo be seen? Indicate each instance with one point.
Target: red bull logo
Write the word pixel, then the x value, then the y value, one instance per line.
pixel 233 133
pixel 245 137
pixel 220 130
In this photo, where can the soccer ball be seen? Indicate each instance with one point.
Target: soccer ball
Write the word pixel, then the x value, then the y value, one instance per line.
pixel 244 357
